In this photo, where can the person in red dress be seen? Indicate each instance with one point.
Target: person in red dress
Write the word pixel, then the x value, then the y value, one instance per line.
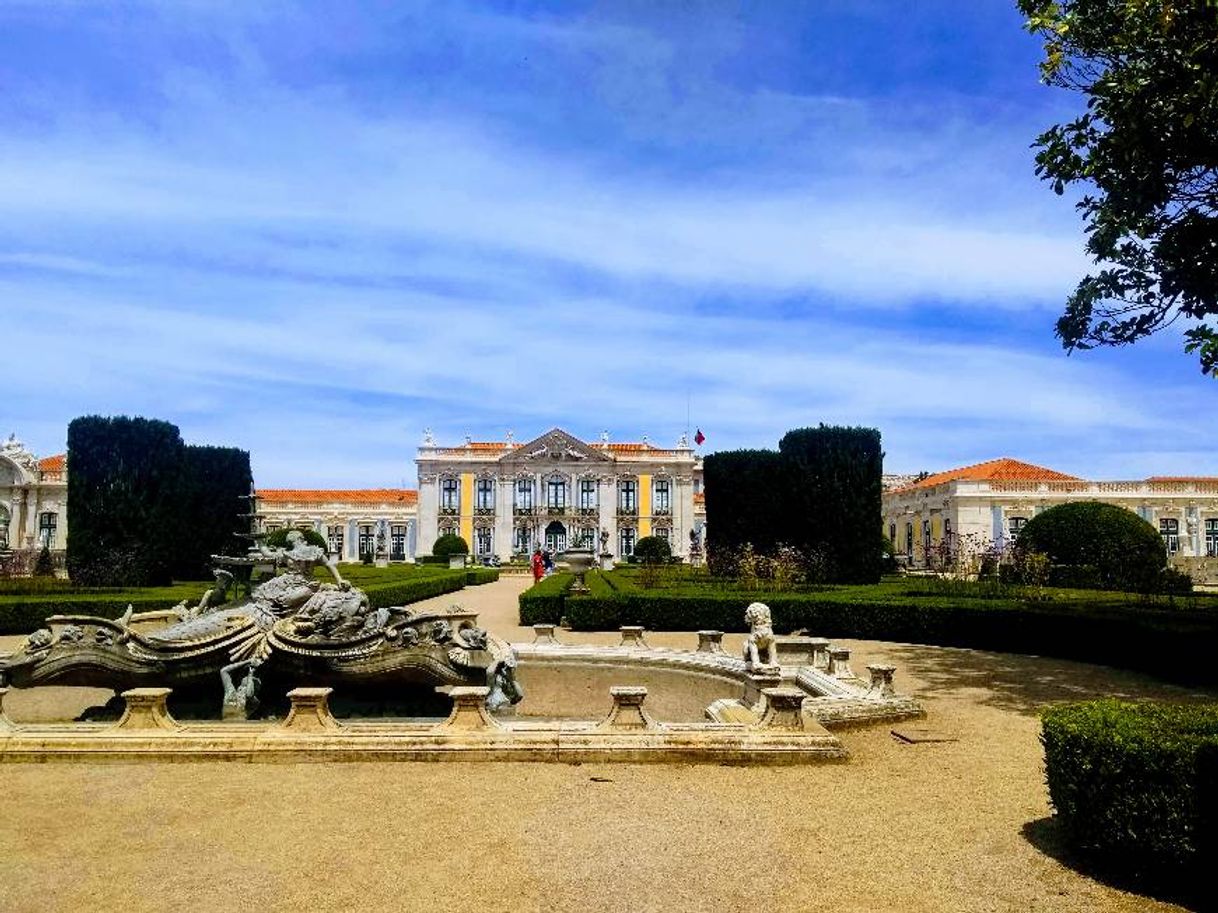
pixel 539 565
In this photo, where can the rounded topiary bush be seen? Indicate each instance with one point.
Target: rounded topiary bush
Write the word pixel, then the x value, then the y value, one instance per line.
pixel 1125 551
pixel 450 545
pixel 279 538
pixel 652 550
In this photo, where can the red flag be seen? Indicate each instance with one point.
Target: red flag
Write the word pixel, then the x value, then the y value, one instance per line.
pixel 699 437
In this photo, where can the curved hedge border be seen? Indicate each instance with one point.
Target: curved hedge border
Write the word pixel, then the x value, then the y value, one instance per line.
pixel 1135 785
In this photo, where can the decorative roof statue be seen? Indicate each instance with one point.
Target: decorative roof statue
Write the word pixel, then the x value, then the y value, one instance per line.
pixel 429 439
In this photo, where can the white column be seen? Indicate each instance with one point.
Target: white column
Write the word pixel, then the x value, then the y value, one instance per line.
pixel 504 493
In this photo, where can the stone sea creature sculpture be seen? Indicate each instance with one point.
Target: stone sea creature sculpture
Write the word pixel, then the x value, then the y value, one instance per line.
pixel 760 636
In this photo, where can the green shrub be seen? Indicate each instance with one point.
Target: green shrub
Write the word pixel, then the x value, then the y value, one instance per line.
pixel 1134 784
pixel 212 497
pixel 476 576
pixel 1074 576
pixel 1175 583
pixel 279 538
pixel 45 565
pixel 413 589
pixel 542 603
pixel 1126 551
pixel 449 545
pixel 652 550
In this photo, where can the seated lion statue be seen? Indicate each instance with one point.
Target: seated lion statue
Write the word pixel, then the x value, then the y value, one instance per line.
pixel 760 637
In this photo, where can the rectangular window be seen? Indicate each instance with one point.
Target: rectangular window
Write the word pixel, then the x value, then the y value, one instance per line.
pixel 662 532
pixel 926 541
pixel 892 536
pixel 446 529
pixel 1211 538
pixel 450 495
pixel 1015 525
pixel 1169 529
pixel 661 502
pixel 523 540
pixel 556 494
pixel 587 494
pixel 367 540
pixel 484 497
pixel 524 494
pixel 397 543
pixel 909 539
pixel 627 497
pixel 270 527
pixel 335 536
pixel 625 541
pixel 483 542
pixel 46 529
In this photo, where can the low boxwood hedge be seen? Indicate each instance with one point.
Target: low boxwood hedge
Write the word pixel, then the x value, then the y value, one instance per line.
pixel 1135 785
pixel 542 603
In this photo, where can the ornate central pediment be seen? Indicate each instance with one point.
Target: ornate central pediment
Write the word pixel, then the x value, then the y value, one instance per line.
pixel 555 446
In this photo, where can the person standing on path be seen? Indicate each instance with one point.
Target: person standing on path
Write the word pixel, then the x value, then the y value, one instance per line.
pixel 539 565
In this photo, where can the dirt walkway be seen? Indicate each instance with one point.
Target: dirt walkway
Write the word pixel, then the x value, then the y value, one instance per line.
pixel 937 827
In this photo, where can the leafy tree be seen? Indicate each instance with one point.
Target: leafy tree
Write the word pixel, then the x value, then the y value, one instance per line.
pixel 279 538
pixel 45 565
pixel 449 545
pixel 1146 149
pixel 652 550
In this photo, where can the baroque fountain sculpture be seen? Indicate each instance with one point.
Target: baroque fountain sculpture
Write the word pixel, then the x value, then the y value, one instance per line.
pixel 292 629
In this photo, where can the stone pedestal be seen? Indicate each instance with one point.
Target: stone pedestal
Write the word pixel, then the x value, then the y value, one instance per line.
pixel 710 642
pixel 310 711
pixel 146 709
pixel 456 562
pixel 820 651
pixel 632 636
pixel 381 561
pixel 544 634
pixel 469 709
pixel 628 712
pixel 839 663
pixel 761 678
pixel 784 708
pixel 881 681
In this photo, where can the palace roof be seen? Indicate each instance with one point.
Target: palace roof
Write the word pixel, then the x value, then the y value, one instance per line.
pixel 338 495
pixel 1183 479
pixel 1003 469
pixel 53 463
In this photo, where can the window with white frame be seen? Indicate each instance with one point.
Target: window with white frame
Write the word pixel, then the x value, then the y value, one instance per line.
pixel 271 526
pixel 524 494
pixel 1211 538
pixel 397 543
pixel 661 501
pixel 663 532
pixel 334 538
pixel 367 540
pixel 1015 527
pixel 556 494
pixel 587 494
pixel 483 541
pixel 446 529
pixel 1169 529
pixel 522 540
pixel 47 523
pixel 627 496
pixel 625 541
pixel 450 494
pixel 484 494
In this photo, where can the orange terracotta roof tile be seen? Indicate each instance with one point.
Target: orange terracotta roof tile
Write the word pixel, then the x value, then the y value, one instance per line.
pixel 53 463
pixel 1183 479
pixel 338 495
pixel 700 498
pixel 1003 469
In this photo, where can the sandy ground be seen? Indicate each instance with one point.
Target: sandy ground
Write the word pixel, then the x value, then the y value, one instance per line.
pixel 958 825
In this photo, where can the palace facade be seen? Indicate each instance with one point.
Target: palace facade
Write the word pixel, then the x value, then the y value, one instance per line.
pixel 506 498
pixel 33 499
pixel 988 503
pixel 352 520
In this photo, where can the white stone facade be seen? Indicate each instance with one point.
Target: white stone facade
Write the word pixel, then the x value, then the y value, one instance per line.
pixel 966 505
pixel 33 499
pixel 505 498
pixel 351 520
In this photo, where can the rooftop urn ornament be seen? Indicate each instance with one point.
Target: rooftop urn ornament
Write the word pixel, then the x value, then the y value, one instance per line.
pixel 429 439
pixel 683 442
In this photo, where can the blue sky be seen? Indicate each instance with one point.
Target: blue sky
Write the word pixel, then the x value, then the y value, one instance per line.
pixel 315 229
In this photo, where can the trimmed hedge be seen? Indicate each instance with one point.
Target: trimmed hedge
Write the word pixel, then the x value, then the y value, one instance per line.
pixel 1172 643
pixel 1135 785
pixel 542 603
pixel 447 546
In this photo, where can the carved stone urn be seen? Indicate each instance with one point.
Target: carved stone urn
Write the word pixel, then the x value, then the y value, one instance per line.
pixel 579 561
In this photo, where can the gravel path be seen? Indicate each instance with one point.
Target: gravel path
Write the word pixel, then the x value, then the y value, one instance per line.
pixel 935 827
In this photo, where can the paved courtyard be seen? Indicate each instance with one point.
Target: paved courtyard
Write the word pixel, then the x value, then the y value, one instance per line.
pixel 950 826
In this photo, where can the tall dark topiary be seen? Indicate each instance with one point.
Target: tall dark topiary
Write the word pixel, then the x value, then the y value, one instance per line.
pixel 1126 551
pixel 835 479
pixel 213 483
pixel 744 500
pixel 123 490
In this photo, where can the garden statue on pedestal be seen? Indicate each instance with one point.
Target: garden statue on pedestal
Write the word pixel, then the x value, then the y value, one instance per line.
pixel 760 636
